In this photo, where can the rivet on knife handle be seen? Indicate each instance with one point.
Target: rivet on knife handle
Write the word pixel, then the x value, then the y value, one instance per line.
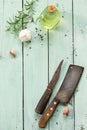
pixel 45 97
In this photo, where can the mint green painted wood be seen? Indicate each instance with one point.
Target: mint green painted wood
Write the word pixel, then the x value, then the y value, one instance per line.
pixel 60 47
pixel 10 71
pixel 37 68
pixel 35 71
pixel 80 22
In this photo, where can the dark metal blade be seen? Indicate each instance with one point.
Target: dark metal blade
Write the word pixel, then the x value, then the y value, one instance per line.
pixel 70 83
pixel 55 76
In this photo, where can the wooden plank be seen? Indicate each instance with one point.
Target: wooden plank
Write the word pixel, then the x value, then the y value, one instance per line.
pixel 60 47
pixel 10 71
pixel 80 40
pixel 35 70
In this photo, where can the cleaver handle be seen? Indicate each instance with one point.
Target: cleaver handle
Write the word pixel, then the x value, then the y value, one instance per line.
pixel 43 101
pixel 48 113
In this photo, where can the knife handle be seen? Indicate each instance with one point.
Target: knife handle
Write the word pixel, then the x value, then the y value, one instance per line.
pixel 48 113
pixel 43 101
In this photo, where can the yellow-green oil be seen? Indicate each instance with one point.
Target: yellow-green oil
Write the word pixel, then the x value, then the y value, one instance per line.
pixel 49 19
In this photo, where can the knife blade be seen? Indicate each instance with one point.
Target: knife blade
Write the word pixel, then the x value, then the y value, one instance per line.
pixel 45 97
pixel 64 94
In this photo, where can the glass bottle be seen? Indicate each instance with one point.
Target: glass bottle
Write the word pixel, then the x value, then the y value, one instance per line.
pixel 50 17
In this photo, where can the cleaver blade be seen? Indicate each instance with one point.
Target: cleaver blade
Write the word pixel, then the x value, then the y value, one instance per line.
pixel 64 94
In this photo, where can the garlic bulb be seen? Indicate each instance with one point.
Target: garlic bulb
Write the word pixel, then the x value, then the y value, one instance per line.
pixel 25 35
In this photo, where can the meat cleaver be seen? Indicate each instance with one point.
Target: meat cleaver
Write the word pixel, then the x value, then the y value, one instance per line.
pixel 64 94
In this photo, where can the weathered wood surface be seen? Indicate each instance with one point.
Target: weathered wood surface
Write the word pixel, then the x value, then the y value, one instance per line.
pixel 23 79
pixel 10 71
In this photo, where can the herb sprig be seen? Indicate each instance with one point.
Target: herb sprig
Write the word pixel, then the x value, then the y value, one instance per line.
pixel 22 18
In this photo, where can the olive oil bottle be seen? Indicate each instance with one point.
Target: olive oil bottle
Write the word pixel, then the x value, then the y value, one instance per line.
pixel 50 17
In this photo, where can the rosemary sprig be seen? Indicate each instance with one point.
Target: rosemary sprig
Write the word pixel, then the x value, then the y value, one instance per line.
pixel 22 18
pixel 15 24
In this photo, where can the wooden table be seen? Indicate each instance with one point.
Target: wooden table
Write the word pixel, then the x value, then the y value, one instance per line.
pixel 23 79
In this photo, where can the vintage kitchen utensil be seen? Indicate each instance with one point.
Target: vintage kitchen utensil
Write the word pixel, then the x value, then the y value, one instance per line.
pixel 64 94
pixel 45 97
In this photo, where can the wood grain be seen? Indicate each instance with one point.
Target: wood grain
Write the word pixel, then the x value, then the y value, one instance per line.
pixel 23 79
pixel 35 70
pixel 10 71
pixel 60 46
pixel 80 41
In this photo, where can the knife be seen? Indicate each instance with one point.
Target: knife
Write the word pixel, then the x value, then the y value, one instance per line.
pixel 64 94
pixel 45 97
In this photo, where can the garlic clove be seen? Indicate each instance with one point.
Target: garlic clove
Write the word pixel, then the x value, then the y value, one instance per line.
pixel 66 111
pixel 13 53
pixel 25 35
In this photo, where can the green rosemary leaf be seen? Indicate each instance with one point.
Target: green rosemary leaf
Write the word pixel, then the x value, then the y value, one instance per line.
pixel 22 18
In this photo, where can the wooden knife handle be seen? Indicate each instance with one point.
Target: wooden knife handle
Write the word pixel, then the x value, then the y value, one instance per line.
pixel 43 101
pixel 48 113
